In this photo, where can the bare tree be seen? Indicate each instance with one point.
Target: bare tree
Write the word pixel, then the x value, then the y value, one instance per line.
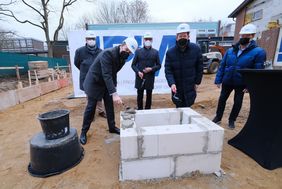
pixel 4 36
pixel 44 11
pixel 135 11
pixel 138 11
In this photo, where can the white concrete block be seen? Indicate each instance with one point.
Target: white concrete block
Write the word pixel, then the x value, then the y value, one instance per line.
pixel 155 117
pixel 148 140
pixel 128 143
pixel 181 139
pixel 205 163
pixel 187 114
pixel 215 133
pixel 147 169
pixel 8 99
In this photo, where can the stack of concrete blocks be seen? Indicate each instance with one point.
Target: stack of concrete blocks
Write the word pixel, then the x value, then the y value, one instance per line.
pixel 168 143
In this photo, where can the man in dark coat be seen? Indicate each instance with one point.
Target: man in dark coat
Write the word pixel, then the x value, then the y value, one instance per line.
pixel 101 81
pixel 245 54
pixel 183 68
pixel 84 57
pixel 145 63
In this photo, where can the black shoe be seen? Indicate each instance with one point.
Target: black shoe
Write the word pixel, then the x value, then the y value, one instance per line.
pixel 83 138
pixel 103 114
pixel 115 130
pixel 231 124
pixel 216 120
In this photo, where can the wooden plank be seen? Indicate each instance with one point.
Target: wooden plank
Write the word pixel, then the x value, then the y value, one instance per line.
pixel 10 68
pixel 28 93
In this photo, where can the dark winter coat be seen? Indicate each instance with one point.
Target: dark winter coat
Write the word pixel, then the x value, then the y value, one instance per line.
pixel 102 75
pixel 146 58
pixel 252 57
pixel 84 57
pixel 185 70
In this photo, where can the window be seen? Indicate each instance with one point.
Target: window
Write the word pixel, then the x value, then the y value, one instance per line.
pixel 29 42
pixel 257 15
pixel 23 44
pixel 201 31
pixel 211 31
pixel 17 44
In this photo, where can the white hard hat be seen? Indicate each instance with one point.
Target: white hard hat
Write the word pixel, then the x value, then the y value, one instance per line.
pixel 147 35
pixel 90 34
pixel 131 43
pixel 248 29
pixel 182 28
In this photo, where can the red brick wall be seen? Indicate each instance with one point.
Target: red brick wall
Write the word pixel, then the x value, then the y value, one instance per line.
pixel 240 19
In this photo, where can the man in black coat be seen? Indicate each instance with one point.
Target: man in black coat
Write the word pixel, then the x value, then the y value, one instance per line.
pixel 101 81
pixel 145 63
pixel 183 68
pixel 84 57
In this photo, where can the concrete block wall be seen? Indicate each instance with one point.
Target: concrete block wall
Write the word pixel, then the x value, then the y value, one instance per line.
pixel 155 145
pixel 14 97
pixel 8 99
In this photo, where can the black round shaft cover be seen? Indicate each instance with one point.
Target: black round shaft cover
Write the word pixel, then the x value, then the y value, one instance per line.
pixel 51 157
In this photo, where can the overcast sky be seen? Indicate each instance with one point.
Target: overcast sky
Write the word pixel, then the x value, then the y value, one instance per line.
pixel 160 11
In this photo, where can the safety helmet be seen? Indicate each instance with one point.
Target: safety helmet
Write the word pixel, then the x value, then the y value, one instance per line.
pixel 182 28
pixel 147 35
pixel 90 34
pixel 131 43
pixel 248 29
pixel 176 100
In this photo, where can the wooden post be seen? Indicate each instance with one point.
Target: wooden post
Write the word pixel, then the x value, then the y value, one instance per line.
pixel 20 85
pixel 29 78
pixel 18 73
pixel 36 78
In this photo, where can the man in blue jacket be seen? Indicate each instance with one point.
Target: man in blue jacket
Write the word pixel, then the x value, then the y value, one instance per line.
pixel 244 54
pixel 145 63
pixel 183 68
pixel 84 57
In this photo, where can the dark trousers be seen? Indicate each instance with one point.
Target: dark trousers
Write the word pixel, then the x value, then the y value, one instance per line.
pixel 140 94
pixel 89 112
pixel 238 100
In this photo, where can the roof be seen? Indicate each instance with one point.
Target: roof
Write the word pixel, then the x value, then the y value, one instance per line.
pixel 239 8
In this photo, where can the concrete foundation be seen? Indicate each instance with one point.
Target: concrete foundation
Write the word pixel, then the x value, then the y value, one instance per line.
pixel 14 97
pixel 163 143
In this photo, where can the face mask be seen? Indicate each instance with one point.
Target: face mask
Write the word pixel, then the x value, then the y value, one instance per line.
pixel 124 55
pixel 148 43
pixel 244 41
pixel 182 42
pixel 91 42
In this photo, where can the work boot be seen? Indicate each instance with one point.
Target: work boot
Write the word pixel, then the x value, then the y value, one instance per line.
pixel 103 114
pixel 231 124
pixel 83 138
pixel 216 120
pixel 115 130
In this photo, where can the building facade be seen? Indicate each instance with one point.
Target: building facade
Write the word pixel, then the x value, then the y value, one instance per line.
pixel 267 16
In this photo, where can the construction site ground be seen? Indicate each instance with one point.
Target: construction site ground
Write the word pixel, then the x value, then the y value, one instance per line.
pixel 100 166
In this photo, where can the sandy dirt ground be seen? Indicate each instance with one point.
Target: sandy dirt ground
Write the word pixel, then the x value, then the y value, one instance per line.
pixel 99 168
